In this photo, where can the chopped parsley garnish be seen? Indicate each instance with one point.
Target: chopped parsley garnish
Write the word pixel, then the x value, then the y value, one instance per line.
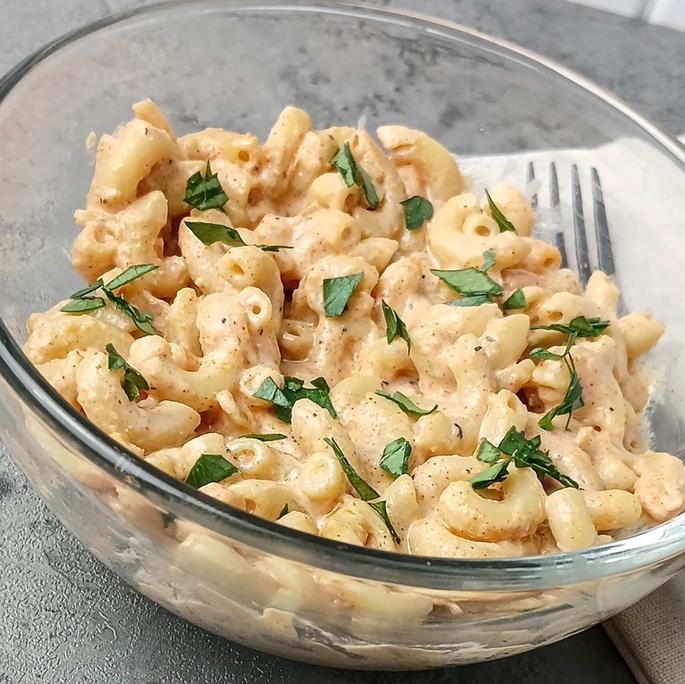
pixel 489 260
pixel 353 173
pixel 417 210
pixel 141 319
pixel 210 468
pixel 205 192
pixel 524 453
pixel 394 326
pixel 337 293
pixel 503 223
pixel 209 233
pixel 293 390
pixel 284 511
pixel 361 486
pixel 382 509
pixel 395 458
pixel 469 282
pixel 516 300
pixel 405 403
pixel 129 274
pixel 133 381
pixel 580 326
pixel 473 300
pixel 81 303
pixel 366 491
pixel 264 436
pixel 573 398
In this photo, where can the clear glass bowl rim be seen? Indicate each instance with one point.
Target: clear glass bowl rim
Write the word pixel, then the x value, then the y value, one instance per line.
pixel 654 545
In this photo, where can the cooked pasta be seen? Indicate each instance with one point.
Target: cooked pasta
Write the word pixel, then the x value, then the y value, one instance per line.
pixel 343 338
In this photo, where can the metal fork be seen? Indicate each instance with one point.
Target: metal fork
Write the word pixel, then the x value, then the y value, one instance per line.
pixel 605 255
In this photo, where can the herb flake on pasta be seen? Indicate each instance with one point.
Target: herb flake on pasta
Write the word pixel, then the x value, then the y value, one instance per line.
pixel 394 326
pixel 130 274
pixel 354 174
pixel 83 305
pixel 580 326
pixel 264 436
pixel 469 281
pixel 210 468
pixel 488 260
pixel 294 390
pixel 473 300
pixel 284 511
pixel 405 403
pixel 516 300
pixel 395 458
pixel 205 192
pixel 382 509
pixel 141 319
pixel 361 486
pixel 417 210
pixel 503 223
pixel 89 289
pixel 337 293
pixel 209 233
pixel 524 453
pixel 133 381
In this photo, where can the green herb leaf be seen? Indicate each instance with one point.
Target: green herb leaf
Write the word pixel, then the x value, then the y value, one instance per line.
pixel 581 326
pixel 209 233
pixel 573 399
pixel 83 304
pixel 526 453
pixel 87 290
pixel 417 211
pixel 337 292
pixel 205 192
pixel 473 300
pixel 366 492
pixel 264 436
pixel 381 508
pixel 495 473
pixel 501 220
pixel 544 355
pixel 394 326
pixel 395 458
pixel 487 452
pixel 141 319
pixel 354 173
pixel 210 468
pixel 130 274
pixel 489 262
pixel 132 381
pixel 469 281
pixel 405 403
pixel 516 300
pixel 284 511
pixel 273 248
pixel 293 390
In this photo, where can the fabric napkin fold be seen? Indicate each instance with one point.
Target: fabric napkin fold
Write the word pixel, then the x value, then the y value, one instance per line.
pixel 644 201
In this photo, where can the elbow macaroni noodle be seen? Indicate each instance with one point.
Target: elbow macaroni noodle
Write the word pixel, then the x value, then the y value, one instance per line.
pixel 228 317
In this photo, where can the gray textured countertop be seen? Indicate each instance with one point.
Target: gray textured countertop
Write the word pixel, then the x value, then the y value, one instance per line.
pixel 66 618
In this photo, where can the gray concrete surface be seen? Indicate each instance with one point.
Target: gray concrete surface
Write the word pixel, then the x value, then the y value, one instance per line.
pixel 66 618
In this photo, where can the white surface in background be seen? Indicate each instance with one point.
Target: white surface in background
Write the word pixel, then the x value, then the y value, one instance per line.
pixel 666 13
pixel 669 13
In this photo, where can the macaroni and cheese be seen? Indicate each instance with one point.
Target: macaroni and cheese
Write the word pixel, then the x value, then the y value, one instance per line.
pixel 340 336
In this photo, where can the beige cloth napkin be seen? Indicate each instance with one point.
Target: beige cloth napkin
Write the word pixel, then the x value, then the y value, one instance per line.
pixel 642 205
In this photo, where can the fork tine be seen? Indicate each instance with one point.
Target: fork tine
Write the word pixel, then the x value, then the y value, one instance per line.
pixel 530 178
pixel 582 256
pixel 554 201
pixel 605 254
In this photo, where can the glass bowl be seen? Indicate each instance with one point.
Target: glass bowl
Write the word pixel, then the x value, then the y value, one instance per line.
pixel 235 64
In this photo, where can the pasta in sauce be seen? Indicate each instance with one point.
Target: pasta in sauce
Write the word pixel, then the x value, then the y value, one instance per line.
pixel 341 337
